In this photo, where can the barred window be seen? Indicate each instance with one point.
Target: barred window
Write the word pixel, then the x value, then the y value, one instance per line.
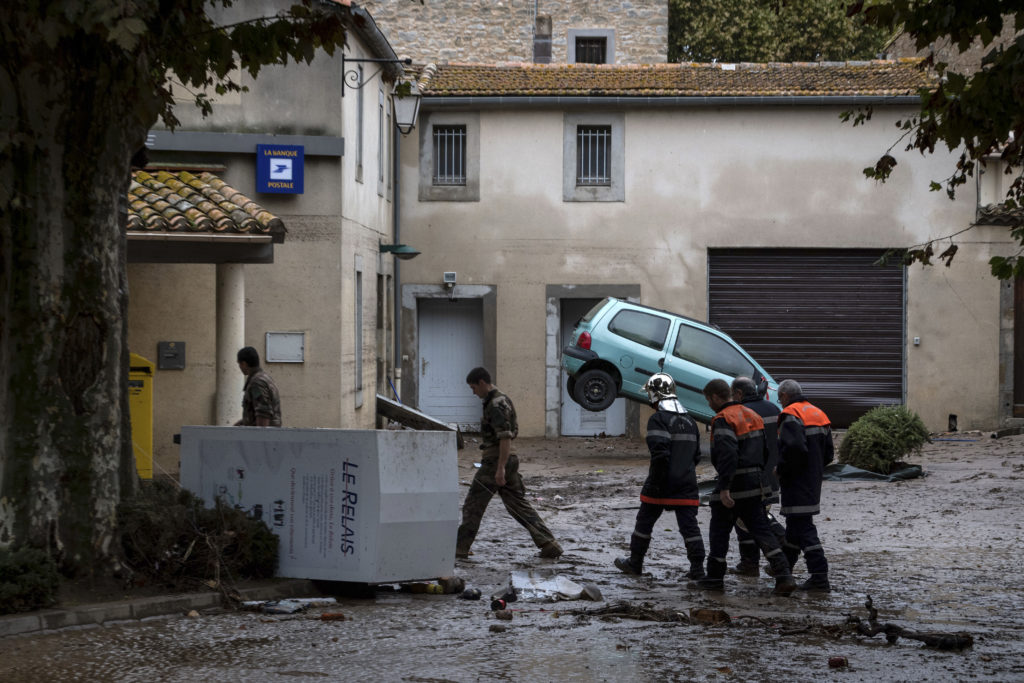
pixel 593 155
pixel 449 155
pixel 591 50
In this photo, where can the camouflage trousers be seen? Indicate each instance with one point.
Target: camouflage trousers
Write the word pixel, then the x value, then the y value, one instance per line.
pixel 513 495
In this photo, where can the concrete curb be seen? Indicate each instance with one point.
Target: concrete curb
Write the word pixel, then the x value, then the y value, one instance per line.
pixel 86 616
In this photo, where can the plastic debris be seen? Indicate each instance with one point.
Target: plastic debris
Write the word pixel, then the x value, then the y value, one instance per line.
pixel 471 594
pixel 544 585
pixel 287 606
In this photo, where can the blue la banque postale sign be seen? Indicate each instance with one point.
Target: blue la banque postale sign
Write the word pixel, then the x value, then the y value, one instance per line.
pixel 279 168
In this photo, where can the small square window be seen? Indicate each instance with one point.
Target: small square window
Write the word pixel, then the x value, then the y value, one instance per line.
pixel 591 50
pixel 449 155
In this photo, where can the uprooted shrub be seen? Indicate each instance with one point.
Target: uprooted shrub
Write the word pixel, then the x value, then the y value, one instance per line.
pixel 170 537
pixel 883 437
pixel 28 580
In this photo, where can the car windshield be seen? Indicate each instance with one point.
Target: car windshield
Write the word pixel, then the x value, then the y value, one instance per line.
pixel 711 351
pixel 642 328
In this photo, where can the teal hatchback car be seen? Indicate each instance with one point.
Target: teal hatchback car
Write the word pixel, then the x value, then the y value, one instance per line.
pixel 618 345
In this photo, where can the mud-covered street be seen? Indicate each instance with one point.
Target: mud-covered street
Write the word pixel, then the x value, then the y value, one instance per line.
pixel 938 554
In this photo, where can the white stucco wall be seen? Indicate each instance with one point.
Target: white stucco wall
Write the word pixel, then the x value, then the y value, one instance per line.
pixel 698 178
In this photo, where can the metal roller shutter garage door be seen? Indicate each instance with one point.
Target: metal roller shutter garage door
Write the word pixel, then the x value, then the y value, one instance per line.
pixel 827 318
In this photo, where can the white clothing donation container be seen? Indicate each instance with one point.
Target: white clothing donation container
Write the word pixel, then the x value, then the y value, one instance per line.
pixel 366 506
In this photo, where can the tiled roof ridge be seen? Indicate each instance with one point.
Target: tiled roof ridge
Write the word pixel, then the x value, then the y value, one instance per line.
pixel 669 66
pixel 187 202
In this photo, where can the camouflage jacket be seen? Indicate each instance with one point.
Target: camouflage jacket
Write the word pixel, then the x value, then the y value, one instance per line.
pixel 260 399
pixel 499 420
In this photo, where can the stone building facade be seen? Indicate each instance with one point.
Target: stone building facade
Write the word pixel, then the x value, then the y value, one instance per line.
pixel 490 31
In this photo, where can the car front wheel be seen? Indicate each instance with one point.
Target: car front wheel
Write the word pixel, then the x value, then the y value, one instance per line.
pixel 594 390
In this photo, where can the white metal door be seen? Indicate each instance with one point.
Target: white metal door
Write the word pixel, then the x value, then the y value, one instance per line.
pixel 575 420
pixel 451 343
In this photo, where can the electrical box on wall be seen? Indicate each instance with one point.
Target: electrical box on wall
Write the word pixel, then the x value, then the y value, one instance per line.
pixel 170 355
pixel 285 347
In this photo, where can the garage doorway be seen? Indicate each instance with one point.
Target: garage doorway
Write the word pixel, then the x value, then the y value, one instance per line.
pixel 575 421
pixel 828 318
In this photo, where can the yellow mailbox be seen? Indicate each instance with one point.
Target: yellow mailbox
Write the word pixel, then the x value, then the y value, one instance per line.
pixel 140 408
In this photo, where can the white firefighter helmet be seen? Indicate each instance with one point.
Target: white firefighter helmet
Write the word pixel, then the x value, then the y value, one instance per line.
pixel 660 386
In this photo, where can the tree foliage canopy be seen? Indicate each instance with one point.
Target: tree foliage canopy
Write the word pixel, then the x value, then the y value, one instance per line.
pixel 774 31
pixel 981 114
pixel 81 84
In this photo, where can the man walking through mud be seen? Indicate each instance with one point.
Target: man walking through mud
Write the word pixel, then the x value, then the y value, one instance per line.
pixel 738 456
pixel 674 442
pixel 499 472
pixel 746 391
pixel 805 447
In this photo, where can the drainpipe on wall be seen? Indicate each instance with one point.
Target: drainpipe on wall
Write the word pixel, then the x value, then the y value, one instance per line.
pixel 397 284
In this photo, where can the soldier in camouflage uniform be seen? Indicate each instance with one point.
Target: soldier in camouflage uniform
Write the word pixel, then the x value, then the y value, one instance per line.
pixel 261 403
pixel 499 472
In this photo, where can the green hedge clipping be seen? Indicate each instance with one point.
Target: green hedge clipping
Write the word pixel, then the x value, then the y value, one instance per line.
pixel 882 437
pixel 28 580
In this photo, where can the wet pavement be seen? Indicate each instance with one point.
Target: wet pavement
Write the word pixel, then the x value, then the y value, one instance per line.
pixel 942 553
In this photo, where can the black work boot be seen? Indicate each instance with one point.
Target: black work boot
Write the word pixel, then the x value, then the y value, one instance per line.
pixel 696 570
pixel 744 568
pixel 628 566
pixel 816 583
pixel 784 584
pixel 709 583
pixel 713 581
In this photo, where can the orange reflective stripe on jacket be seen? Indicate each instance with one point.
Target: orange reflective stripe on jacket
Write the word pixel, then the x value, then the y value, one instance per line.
pixel 810 415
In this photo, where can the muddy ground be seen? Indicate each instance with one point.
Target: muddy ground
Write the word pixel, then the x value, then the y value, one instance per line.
pixel 942 553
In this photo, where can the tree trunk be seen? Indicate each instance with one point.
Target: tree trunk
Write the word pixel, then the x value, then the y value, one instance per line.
pixel 65 451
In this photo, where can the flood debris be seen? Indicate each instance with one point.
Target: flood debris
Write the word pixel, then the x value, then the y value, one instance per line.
pixel 838 662
pixel 942 641
pixel 503 615
pixel 333 616
pixel 286 606
pixel 625 610
pixel 535 584
pixel 710 617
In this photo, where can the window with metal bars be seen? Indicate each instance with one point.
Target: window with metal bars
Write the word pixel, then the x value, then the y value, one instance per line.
pixel 593 155
pixel 449 155
pixel 591 50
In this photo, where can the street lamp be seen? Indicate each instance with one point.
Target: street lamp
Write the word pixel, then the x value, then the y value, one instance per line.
pixel 406 96
pixel 399 251
pixel 406 99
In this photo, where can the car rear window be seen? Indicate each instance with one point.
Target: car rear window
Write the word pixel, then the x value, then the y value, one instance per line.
pixel 593 311
pixel 711 351
pixel 642 328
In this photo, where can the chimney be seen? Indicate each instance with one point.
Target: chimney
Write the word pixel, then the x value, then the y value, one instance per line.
pixel 542 39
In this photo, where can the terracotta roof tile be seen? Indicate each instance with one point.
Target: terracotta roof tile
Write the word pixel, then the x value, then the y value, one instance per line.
pixel 803 79
pixel 161 201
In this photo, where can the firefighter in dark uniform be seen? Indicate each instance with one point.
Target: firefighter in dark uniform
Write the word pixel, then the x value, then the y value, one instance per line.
pixel 674 442
pixel 805 447
pixel 738 456
pixel 499 472
pixel 747 392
